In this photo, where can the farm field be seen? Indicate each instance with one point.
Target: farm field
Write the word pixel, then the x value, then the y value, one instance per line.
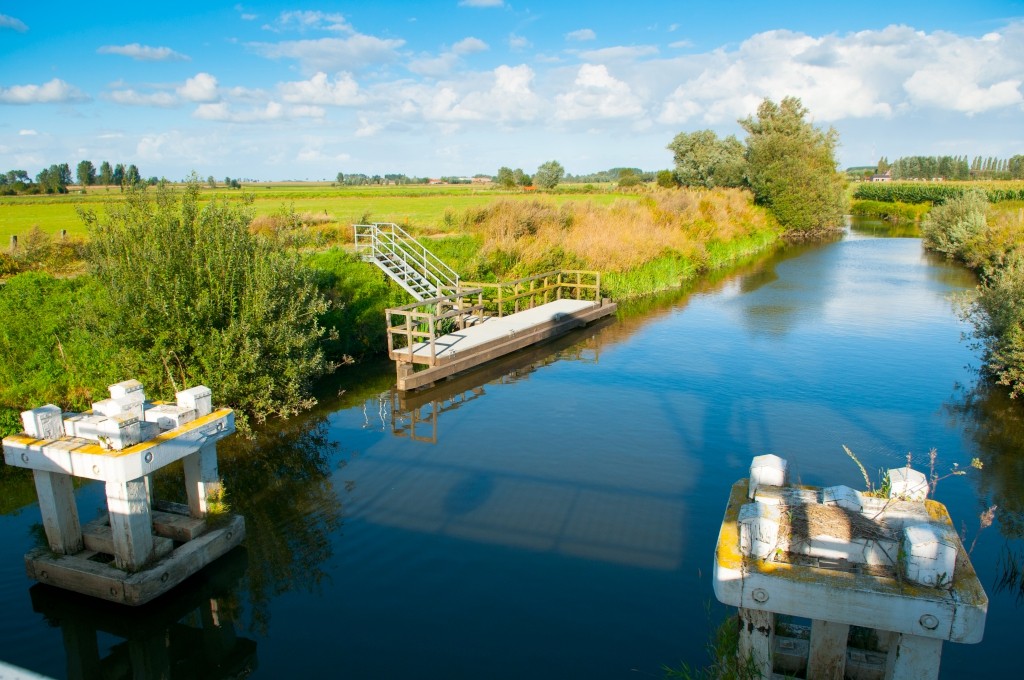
pixel 422 207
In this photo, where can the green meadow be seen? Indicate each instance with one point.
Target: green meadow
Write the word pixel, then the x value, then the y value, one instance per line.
pixel 422 207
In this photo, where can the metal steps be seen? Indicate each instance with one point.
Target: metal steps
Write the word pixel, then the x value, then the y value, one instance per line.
pixel 404 259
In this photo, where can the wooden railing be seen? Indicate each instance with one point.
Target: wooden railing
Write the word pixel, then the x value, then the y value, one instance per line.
pixel 418 325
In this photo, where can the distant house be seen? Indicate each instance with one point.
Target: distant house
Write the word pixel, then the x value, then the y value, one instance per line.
pixel 435 181
pixel 481 180
pixel 884 177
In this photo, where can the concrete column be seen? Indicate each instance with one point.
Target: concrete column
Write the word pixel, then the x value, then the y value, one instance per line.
pixel 915 658
pixel 827 658
pixel 130 522
pixel 56 496
pixel 757 635
pixel 201 478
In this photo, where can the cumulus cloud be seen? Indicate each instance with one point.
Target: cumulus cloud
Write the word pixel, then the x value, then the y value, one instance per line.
pixel 596 94
pixel 202 87
pixel 518 42
pixel 11 22
pixel 581 35
pixel 143 52
pixel 877 73
pixel 444 63
pixel 130 97
pixel 27 133
pixel 469 46
pixel 619 53
pixel 55 91
pixel 343 91
pixel 333 54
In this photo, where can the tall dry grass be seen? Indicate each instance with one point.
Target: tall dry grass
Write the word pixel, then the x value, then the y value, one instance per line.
pixel 521 236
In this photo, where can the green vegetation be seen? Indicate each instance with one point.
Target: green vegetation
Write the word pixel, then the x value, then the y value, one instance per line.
pixel 895 212
pixel 704 160
pixel 791 167
pixel 936 192
pixel 548 175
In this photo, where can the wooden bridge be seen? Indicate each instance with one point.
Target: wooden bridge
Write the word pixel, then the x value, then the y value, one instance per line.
pixel 473 323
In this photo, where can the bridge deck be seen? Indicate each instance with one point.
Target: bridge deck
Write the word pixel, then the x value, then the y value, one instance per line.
pixel 497 328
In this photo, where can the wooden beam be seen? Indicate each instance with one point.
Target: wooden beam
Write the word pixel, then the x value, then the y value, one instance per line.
pixel 56 495
pixel 131 525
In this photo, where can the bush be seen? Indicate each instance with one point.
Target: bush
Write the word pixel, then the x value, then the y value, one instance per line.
pixel 954 227
pixel 201 300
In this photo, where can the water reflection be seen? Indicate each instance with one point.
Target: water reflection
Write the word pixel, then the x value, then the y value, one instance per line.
pixel 189 633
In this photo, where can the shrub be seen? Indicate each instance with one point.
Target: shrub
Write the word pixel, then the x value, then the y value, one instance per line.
pixel 953 227
pixel 200 300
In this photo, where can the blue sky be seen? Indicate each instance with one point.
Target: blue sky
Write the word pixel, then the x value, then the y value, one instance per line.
pixel 458 87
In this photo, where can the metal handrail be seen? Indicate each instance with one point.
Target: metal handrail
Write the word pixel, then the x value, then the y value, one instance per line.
pixel 389 241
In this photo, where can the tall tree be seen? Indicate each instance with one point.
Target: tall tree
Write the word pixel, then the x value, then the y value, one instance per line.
pixel 549 174
pixel 86 173
pixel 117 177
pixel 702 159
pixel 505 177
pixel 106 174
pixel 132 176
pixel 522 179
pixel 792 167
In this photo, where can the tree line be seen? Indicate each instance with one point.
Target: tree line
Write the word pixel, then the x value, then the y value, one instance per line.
pixel 57 178
pixel 953 167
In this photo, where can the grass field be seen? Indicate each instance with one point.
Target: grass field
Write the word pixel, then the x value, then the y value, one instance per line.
pixel 422 207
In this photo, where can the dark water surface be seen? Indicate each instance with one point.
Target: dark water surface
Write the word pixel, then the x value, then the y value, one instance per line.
pixel 556 516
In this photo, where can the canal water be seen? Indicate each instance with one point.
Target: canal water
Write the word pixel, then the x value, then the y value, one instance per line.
pixel 555 515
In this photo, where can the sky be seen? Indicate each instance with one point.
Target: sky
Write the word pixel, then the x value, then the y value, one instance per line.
pixel 272 91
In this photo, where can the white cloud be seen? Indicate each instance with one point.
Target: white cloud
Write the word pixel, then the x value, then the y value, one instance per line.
pixel 469 46
pixel 202 87
pixel 581 35
pixel 10 22
pixel 27 133
pixel 518 42
pixel 596 94
pixel 619 53
pixel 130 97
pixel 680 44
pixel 143 52
pixel 333 54
pixel 303 20
pixel 55 91
pixel 481 3
pixel 434 67
pixel 271 112
pixel 368 127
pixel 344 91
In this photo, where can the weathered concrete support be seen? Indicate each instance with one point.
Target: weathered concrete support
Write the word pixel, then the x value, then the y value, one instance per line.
pixel 201 479
pixel 914 658
pixel 757 636
pixel 131 523
pixel 56 496
pixel 827 658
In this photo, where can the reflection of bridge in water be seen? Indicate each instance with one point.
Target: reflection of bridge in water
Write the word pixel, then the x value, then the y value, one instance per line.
pixel 187 633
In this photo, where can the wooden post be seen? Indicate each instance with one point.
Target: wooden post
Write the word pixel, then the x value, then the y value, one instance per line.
pixel 916 657
pixel 60 514
pixel 827 658
pixel 757 636
pixel 131 523
pixel 201 478
pixel 14 242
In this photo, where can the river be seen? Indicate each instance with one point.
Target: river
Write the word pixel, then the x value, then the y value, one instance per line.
pixel 555 516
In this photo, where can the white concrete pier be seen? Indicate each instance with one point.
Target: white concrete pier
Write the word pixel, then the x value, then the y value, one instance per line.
pixel 893 567
pixel 139 548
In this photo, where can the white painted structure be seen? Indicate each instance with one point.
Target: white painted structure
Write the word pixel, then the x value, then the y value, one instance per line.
pixel 893 566
pixel 121 442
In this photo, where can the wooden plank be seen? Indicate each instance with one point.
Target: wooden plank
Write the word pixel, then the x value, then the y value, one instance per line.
pixel 827 657
pixel 76 573
pixel 201 479
pixel 130 523
pixel 177 527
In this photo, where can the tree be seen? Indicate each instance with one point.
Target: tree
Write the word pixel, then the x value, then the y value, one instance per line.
pixel 704 160
pixel 86 173
pixel 340 178
pixel 628 178
pixel 55 179
pixel 792 168
pixel 521 178
pixel 199 299
pixel 212 182
pixel 132 176
pixel 106 174
pixel 666 179
pixel 549 174
pixel 117 177
pixel 505 178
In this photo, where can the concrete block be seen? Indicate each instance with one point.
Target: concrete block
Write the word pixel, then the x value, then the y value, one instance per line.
pixel 120 406
pixel 881 553
pixel 88 426
pixel 843 496
pixel 128 388
pixel 199 398
pixel 930 556
pixel 119 432
pixel 759 529
pixel 908 484
pixel 767 470
pixel 169 416
pixel 45 422
pixel 790 656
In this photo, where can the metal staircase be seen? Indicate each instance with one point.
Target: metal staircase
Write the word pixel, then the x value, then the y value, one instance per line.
pixel 404 259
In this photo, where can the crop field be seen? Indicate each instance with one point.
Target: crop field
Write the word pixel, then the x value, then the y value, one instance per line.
pixel 422 207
